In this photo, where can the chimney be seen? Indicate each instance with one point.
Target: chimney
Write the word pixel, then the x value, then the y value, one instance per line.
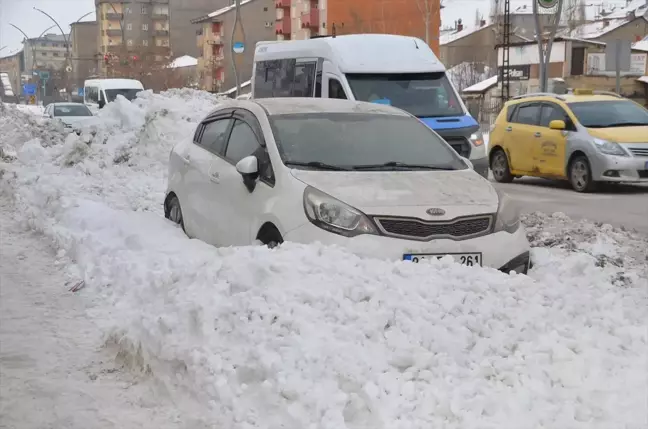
pixel 459 25
pixel 482 23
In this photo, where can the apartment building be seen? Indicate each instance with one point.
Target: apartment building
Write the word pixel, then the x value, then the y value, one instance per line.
pixel 48 52
pixel 303 19
pixel 214 41
pixel 85 56
pixel 11 65
pixel 138 26
pixel 183 32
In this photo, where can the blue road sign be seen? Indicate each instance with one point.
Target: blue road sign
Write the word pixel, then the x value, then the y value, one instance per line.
pixel 29 89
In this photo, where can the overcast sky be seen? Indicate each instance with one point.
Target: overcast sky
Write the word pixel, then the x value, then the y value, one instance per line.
pixel 22 14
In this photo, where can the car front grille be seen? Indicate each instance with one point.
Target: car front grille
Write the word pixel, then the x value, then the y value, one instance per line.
pixel 422 230
pixel 639 151
pixel 460 145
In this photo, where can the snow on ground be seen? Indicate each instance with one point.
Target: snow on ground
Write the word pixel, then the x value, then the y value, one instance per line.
pixel 311 336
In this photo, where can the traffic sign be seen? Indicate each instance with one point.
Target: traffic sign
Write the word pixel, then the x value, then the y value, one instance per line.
pixel 32 99
pixel 547 4
pixel 29 88
pixel 238 48
pixel 45 75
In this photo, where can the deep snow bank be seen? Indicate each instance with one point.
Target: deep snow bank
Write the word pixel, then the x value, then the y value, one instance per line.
pixel 307 336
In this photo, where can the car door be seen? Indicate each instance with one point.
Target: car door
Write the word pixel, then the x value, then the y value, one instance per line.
pixel 242 209
pixel 522 131
pixel 550 148
pixel 202 197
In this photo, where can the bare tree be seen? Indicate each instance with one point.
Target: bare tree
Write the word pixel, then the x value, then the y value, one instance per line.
pixel 470 73
pixel 426 8
pixel 150 65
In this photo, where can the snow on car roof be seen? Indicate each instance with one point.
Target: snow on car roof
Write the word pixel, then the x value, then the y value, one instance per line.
pixel 359 53
pixel 280 106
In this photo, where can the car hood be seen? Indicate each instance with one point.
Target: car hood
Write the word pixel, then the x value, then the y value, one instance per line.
pixel 407 193
pixel 622 134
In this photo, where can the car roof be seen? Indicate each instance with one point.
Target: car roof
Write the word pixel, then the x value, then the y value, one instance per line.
pixel 66 103
pixel 358 53
pixel 567 98
pixel 288 105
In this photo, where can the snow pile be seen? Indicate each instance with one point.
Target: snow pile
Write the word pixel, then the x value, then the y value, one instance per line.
pixel 314 337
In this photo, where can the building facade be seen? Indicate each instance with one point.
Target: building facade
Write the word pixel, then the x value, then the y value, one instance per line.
pixel 303 19
pixel 48 52
pixel 183 32
pixel 133 29
pixel 85 56
pixel 214 40
pixel 12 64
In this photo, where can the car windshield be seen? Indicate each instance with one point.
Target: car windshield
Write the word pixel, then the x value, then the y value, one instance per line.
pixel 128 93
pixel 607 114
pixel 71 110
pixel 361 141
pixel 423 95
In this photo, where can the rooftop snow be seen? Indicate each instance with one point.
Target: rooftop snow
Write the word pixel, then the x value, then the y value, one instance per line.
pixel 446 38
pixel 639 7
pixel 641 45
pixel 643 79
pixel 184 61
pixel 482 86
pixel 594 30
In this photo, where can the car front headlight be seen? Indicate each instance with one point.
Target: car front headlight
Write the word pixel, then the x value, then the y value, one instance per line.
pixel 335 216
pixel 508 214
pixel 477 139
pixel 609 148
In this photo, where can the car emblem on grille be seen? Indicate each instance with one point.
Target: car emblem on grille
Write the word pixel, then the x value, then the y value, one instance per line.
pixel 435 212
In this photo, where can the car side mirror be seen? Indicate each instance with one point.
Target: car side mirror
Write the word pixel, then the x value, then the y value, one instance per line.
pixel 248 168
pixel 468 163
pixel 558 125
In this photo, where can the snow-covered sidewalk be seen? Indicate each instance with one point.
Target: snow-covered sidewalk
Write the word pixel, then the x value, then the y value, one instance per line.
pixel 54 370
pixel 312 336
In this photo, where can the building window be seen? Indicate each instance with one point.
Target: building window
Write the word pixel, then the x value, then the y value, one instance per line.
pixel 145 42
pixel 55 45
pixel 110 42
pixel 144 27
pixel 129 42
pixel 55 54
pixel 144 10
pixel 44 54
pixel 165 42
pixel 129 27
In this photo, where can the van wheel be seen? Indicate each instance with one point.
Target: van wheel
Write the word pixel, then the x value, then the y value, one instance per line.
pixel 580 175
pixel 500 167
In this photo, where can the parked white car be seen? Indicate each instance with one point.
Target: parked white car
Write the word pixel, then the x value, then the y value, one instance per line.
pixel 71 114
pixel 369 177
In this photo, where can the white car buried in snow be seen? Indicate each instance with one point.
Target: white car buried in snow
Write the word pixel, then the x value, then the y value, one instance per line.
pixel 72 115
pixel 368 177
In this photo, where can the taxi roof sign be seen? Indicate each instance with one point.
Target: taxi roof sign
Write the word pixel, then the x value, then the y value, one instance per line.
pixel 583 91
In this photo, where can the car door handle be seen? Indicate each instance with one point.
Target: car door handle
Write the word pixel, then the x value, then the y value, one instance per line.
pixel 538 135
pixel 509 128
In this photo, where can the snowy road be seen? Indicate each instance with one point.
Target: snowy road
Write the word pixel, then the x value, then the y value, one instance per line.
pixel 622 206
pixel 54 371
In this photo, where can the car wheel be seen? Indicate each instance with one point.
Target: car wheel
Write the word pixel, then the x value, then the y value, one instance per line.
pixel 500 167
pixel 271 238
pixel 173 211
pixel 580 175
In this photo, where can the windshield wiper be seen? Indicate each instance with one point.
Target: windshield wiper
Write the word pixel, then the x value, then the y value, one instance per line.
pixel 316 164
pixel 396 164
pixel 620 124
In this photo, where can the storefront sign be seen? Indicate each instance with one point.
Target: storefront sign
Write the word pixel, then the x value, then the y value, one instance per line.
pixel 596 64
pixel 517 72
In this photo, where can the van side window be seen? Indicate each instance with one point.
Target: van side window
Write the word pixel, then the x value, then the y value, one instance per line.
pixel 318 84
pixel 304 80
pixel 284 78
pixel 336 90
pixel 264 80
pixel 92 94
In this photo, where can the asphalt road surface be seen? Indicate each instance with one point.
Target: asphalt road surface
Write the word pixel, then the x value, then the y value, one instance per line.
pixel 617 205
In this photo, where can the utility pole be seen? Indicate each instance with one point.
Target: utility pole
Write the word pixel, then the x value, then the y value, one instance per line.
pixel 238 46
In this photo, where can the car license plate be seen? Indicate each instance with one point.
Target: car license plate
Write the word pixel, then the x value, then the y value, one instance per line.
pixel 469 259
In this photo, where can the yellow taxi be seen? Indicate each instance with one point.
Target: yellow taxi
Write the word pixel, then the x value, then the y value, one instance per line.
pixel 585 137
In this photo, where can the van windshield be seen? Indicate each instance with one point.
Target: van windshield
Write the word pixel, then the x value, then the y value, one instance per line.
pixel 423 95
pixel 128 93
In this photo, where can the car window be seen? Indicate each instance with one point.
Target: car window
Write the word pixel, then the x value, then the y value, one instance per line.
pixel 606 114
pixel 552 112
pixel 242 142
pixel 72 110
pixel 214 135
pixel 336 90
pixel 527 114
pixel 359 140
pixel 510 113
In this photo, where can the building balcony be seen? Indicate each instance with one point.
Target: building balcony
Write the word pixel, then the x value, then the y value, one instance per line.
pixel 114 33
pixel 282 4
pixel 160 16
pixel 310 19
pixel 282 26
pixel 161 33
pixel 112 16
